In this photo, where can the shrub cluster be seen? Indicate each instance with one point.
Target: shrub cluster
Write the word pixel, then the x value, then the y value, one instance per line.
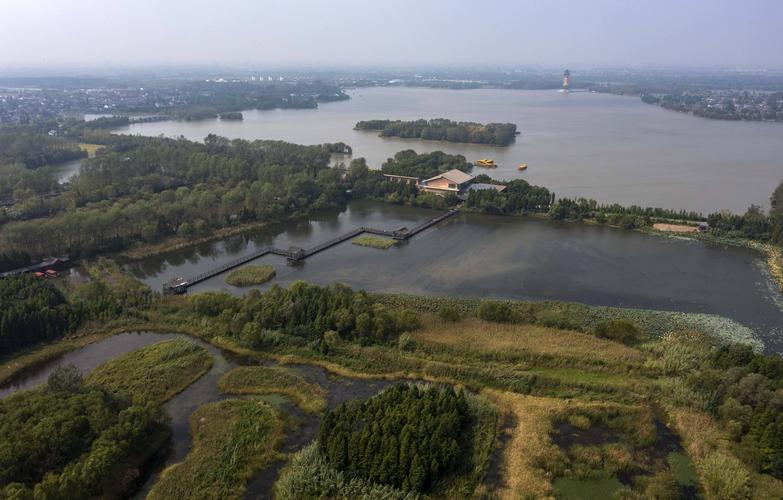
pixel 306 312
pixel 497 312
pixel 619 330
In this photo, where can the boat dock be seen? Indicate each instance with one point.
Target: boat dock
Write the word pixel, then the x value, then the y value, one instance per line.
pixel 295 254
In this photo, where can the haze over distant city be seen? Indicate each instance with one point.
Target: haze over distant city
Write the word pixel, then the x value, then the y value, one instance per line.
pixel 696 33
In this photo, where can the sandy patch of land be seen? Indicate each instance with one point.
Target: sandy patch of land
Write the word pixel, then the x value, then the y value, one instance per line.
pixel 675 228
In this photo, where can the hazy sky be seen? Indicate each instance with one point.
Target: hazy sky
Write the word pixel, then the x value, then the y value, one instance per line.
pixel 744 33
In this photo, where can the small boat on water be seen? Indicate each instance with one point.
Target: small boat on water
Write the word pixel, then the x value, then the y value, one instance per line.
pixel 486 163
pixel 522 166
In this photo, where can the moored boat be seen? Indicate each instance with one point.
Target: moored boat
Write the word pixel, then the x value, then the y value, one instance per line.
pixel 486 163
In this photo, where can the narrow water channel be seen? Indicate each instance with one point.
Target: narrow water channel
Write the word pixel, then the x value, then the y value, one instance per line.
pixel 205 390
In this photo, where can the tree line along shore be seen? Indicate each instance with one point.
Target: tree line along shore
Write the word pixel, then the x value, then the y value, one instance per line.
pixel 153 193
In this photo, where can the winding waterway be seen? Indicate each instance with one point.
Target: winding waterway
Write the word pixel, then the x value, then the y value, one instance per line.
pixel 610 148
pixel 202 391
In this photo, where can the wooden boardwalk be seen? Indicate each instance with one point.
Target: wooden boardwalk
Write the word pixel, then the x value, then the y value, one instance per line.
pixel 299 254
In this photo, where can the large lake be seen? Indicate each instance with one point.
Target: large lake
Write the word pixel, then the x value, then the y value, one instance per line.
pixel 512 257
pixel 611 148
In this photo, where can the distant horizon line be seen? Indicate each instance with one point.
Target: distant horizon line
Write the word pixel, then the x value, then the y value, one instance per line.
pixel 92 70
pixel 255 66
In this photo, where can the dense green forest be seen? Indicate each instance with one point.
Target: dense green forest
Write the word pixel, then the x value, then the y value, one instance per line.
pixel 199 99
pixel 302 314
pixel 31 310
pixel 68 440
pixel 408 437
pixel 18 182
pixel 518 197
pixel 440 129
pixel 143 189
pixel 33 147
pixel 424 165
pixel 745 394
pixel 368 183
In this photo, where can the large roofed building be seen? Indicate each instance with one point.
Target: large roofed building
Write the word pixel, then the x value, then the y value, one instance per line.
pixel 452 181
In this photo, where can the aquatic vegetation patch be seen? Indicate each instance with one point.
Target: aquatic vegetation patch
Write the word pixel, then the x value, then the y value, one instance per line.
pixel 568 488
pixel 251 275
pixel 584 318
pixel 620 448
pixel 374 242
pixel 274 380
pixel 153 373
pixel 232 440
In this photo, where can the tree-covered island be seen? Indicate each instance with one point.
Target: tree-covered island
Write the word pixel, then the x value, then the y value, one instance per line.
pixel 441 129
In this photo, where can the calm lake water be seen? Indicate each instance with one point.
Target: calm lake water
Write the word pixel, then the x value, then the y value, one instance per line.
pixel 611 148
pixel 507 257
pixel 64 171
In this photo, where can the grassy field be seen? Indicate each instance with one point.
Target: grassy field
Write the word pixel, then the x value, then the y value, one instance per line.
pixel 473 334
pixel 91 149
pixel 273 380
pixel 529 445
pixel 583 318
pixel 374 242
pixel 710 448
pixel 232 440
pixel 153 373
pixel 251 275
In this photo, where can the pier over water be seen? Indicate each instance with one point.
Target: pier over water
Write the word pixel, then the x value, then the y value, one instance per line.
pixel 295 254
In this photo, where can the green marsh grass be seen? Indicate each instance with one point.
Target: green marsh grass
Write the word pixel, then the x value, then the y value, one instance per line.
pixel 251 275
pixel 155 372
pixel 262 380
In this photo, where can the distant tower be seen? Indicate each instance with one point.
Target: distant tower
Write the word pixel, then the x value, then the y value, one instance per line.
pixel 566 80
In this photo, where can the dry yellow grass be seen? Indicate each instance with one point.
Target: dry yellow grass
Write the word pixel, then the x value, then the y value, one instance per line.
pixel 528 444
pixel 91 149
pixel 478 335
pixel 675 228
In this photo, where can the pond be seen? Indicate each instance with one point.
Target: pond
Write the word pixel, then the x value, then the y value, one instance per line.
pixel 472 255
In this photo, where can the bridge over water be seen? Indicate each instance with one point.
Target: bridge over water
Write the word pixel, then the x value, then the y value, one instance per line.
pixel 180 285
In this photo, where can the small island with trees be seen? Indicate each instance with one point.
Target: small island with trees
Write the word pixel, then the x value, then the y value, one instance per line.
pixel 232 116
pixel 441 129
pixel 251 275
